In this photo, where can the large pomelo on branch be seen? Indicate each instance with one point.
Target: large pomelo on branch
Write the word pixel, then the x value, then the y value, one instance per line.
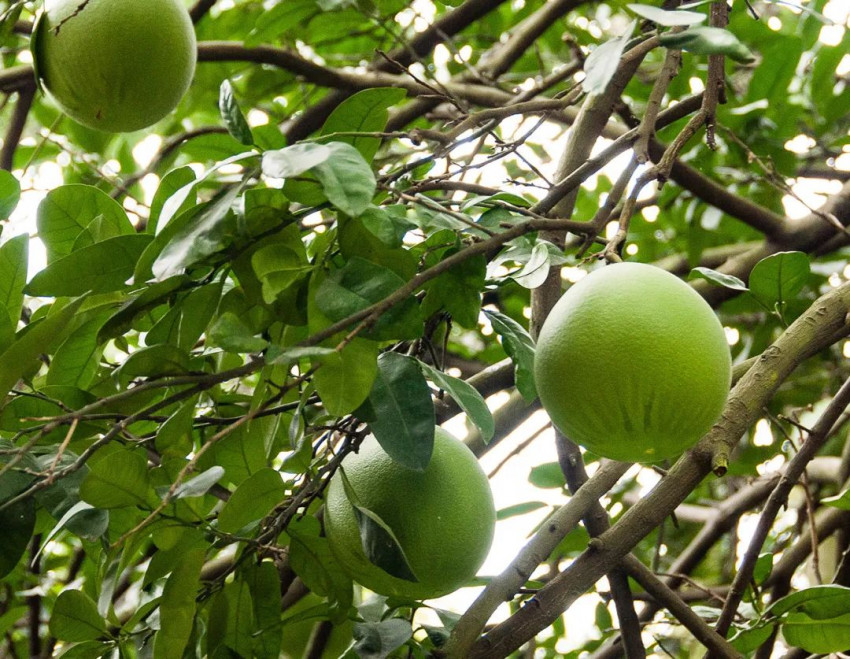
pixel 443 519
pixel 633 364
pixel 115 65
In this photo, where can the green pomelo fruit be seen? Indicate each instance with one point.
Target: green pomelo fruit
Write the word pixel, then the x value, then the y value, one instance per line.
pixel 115 65
pixel 443 517
pixel 633 364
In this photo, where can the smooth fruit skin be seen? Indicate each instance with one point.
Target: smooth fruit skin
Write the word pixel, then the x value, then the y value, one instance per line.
pixel 115 65
pixel 633 364
pixel 444 517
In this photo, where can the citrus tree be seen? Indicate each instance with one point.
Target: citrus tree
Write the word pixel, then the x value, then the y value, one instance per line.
pixel 355 223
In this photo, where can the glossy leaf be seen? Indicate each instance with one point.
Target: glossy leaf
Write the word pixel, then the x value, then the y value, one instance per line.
pixel 10 193
pixel 519 346
pixel 232 116
pixel 708 41
pixel 75 618
pixel 466 396
pixel 404 413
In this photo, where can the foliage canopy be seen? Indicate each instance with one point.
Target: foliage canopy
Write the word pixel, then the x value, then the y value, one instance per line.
pixel 355 222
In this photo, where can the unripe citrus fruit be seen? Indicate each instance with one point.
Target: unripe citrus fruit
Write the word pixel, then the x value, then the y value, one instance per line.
pixel 442 517
pixel 115 65
pixel 632 364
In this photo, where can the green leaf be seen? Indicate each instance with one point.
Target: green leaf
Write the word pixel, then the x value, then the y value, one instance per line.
pixel 66 211
pixel 77 358
pixel 232 335
pixel 547 476
pixel 17 521
pixel 345 379
pixel 264 583
pixel 35 340
pixel 346 178
pixel 10 193
pixel 819 602
pixel 278 266
pixel 841 501
pixel 778 278
pixel 210 231
pixel 200 484
pixel 187 319
pixel 376 640
pixel 255 498
pixel 358 285
pixel 816 635
pixel 177 606
pixel 120 479
pixel 748 640
pixel 467 397
pixel 458 291
pixel 380 544
pixel 294 160
pixel 519 346
pixel 763 567
pixel 232 116
pixel 312 560
pixel 602 63
pixel 75 618
pixel 363 112
pixel 100 268
pixel 519 509
pixel 718 278
pixel 667 18
pixel 404 413
pixel 536 269
pixel 156 361
pixel 708 41
pixel 174 436
pixel 176 179
pixel 13 277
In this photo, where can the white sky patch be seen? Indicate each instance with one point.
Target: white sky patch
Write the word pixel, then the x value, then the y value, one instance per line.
pixel 732 335
pixel 146 149
pixel 762 436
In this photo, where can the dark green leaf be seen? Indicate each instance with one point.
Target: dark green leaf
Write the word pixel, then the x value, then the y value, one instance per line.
pixel 120 479
pixel 232 116
pixel 99 268
pixel 519 509
pixel 363 112
pixel 748 640
pixel 230 333
pixel 345 378
pixel 16 520
pixel 264 583
pixel 519 346
pixel 467 397
pixel 18 358
pixel 376 640
pixel 75 618
pixel 278 266
pixel 10 193
pixel 209 232
pixel 405 421
pixel 13 277
pixel 253 499
pixel 177 607
pixel 708 41
pixel 776 279
pixel 358 285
